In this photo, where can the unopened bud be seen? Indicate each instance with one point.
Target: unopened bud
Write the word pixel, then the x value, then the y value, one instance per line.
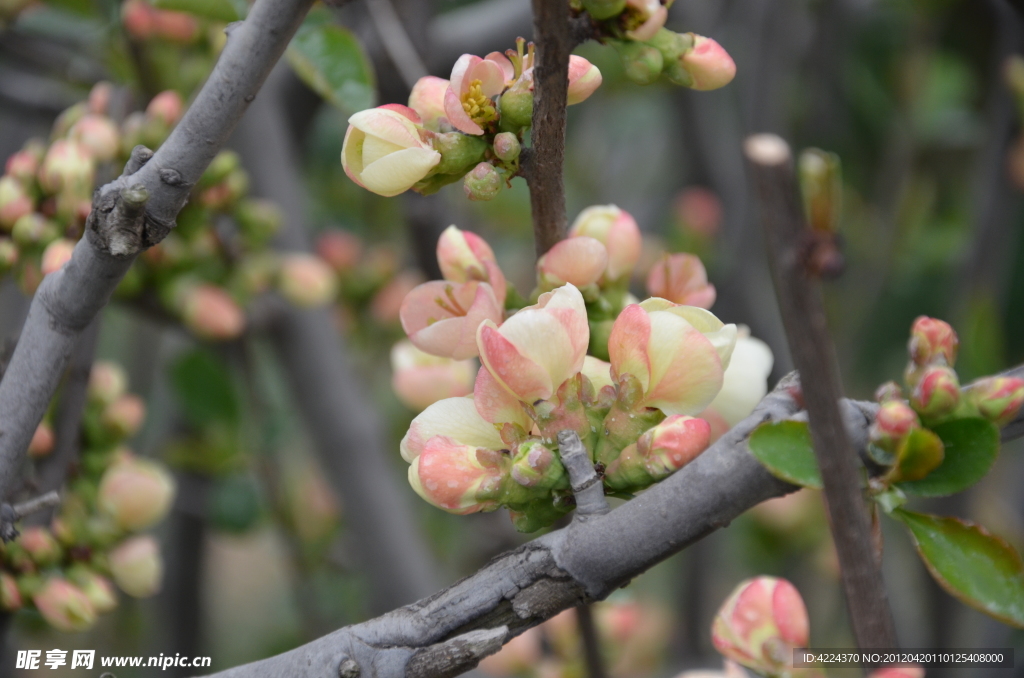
pixel 420 379
pixel 99 135
pixel 24 165
pixel 459 152
pixel 760 624
pixel 211 313
pixel 822 187
pixel 580 261
pixel 123 417
pixel 98 589
pixel 890 390
pixel 932 341
pixel 641 62
pixel 137 567
pixel 166 107
pixel 604 9
pixel 64 605
pixel 305 280
pixel 224 195
pixel 458 478
pixel 40 546
pixel 34 230
pixel 42 441
pixel 584 79
pixel 704 67
pixel 68 117
pixel 937 392
pixel 15 202
pixel 894 421
pixel 8 255
pixel 10 596
pixel 107 382
pixel 507 146
pixel 68 166
pixel 516 107
pixel 258 220
pixel 682 279
pixel 99 98
pixel 617 230
pixel 998 399
pixel 56 254
pixel 659 452
pixel 536 466
pixel 483 182
pixel 136 493
pixel 342 250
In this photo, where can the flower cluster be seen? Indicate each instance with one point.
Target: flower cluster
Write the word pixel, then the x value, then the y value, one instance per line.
pixel 899 437
pixel 64 570
pixel 543 371
pixel 470 126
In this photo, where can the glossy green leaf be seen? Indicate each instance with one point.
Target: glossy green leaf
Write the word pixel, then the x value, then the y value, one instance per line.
pixel 204 389
pixel 971 447
pixel 331 62
pixel 973 565
pixel 218 10
pixel 785 449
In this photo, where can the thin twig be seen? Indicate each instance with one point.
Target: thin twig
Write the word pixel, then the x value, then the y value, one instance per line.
pixel 396 41
pixel 129 214
pixel 587 487
pixel 553 43
pixel 9 515
pixel 803 314
pixel 591 642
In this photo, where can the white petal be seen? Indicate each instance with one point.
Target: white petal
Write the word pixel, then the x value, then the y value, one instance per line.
pixel 456 418
pixel 397 172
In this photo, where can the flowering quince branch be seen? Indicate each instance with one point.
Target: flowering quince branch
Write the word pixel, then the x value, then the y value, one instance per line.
pixel 131 213
pixel 12 514
pixel 806 327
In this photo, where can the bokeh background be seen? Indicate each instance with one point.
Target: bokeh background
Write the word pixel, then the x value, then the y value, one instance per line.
pixel 261 551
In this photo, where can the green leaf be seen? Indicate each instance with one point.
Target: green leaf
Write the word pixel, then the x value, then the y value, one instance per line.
pixel 204 389
pixel 920 453
pixel 971 446
pixel 219 10
pixel 973 565
pixel 331 62
pixel 785 449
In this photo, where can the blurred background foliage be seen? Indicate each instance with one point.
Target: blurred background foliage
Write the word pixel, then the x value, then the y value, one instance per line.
pixel 909 93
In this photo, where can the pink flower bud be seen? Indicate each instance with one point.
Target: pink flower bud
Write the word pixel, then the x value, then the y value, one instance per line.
pixel 468 101
pixel 760 624
pixel 427 99
pixel 894 421
pixel 8 255
pixel 507 146
pixel 535 465
pixel 698 210
pixel 166 107
pixel 458 478
pixel 34 230
pixel 68 166
pixel 42 441
pixel 138 19
pixel 56 254
pixel 98 589
pixel 99 98
pixel 890 390
pixel 580 261
pixel 707 65
pixel 306 280
pixel 386 305
pixel 680 375
pixel 538 348
pixel 517 657
pixel 937 392
pixel 998 398
pixel 124 416
pixel 932 341
pixel 455 418
pixel 136 493
pixel 483 182
pixel 465 256
pixel 40 545
pixel 15 202
pixel 342 250
pixel 23 166
pixel 442 318
pixel 64 605
pixel 107 382
pixel 617 231
pixel 659 453
pixel 98 134
pixel 584 79
pixel 648 17
pixel 420 379
pixel 211 313
pixel 175 26
pixel 10 596
pixel 682 279
pixel 386 151
pixel 137 567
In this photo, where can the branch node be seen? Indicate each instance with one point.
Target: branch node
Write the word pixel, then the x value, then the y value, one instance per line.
pixel 139 157
pixel 455 655
pixel 586 484
pixel 12 514
pixel 348 668
pixel 172 177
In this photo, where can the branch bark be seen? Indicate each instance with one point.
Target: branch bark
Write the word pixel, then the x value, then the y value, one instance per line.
pixel 553 42
pixel 133 212
pixel 803 314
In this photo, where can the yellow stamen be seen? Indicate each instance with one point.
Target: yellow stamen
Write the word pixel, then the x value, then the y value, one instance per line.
pixel 477 106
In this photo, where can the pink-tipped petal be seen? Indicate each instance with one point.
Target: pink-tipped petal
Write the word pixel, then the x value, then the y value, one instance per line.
pixel 457 115
pixel 497 404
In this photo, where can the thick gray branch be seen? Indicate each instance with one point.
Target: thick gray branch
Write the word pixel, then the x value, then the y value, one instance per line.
pixel 134 211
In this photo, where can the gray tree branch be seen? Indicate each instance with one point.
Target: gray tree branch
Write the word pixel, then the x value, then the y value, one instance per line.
pixel 133 212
